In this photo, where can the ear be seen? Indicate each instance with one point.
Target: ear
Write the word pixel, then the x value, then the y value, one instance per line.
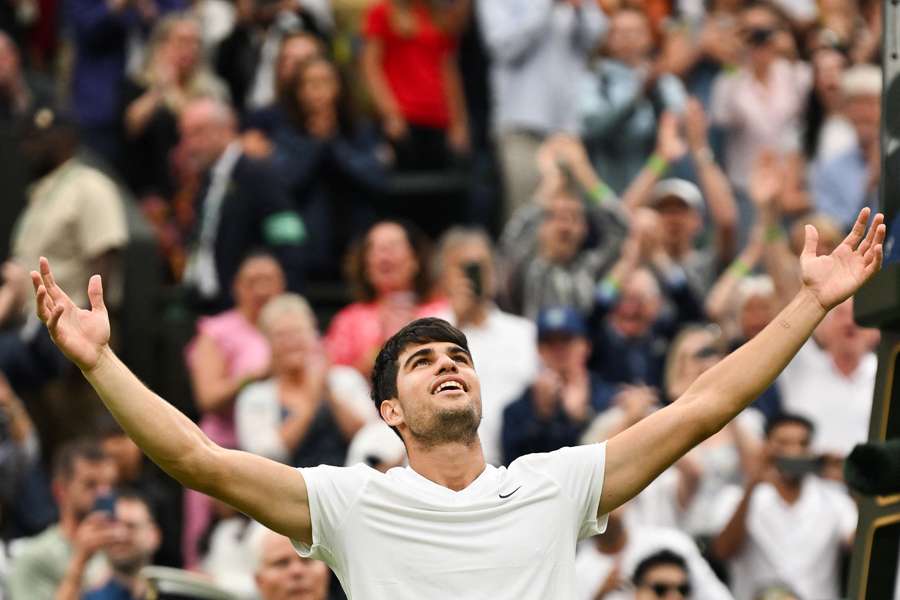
pixel 392 412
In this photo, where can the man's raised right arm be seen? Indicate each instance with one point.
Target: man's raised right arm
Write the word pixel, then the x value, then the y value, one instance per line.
pixel 272 493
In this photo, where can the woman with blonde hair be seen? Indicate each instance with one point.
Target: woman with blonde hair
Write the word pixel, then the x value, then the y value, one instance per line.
pixel 175 72
pixel 307 413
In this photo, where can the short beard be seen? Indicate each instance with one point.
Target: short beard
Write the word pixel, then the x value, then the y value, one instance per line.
pixel 130 566
pixel 459 426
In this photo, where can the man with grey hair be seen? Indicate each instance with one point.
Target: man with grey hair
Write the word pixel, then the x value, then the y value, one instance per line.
pixel 241 206
pixel 849 181
pixel 503 344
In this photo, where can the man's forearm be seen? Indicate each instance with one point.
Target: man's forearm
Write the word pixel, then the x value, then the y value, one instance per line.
pixel 726 389
pixel 166 435
pixel 731 538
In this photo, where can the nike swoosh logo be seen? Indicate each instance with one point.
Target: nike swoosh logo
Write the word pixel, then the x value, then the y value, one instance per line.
pixel 502 497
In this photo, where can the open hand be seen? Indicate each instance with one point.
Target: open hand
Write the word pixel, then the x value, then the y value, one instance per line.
pixel 833 278
pixel 669 144
pixel 766 180
pixel 82 335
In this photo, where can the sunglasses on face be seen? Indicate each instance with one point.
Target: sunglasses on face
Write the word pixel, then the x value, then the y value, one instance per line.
pixel 663 589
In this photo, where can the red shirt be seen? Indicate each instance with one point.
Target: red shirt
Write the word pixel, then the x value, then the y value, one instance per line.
pixel 413 64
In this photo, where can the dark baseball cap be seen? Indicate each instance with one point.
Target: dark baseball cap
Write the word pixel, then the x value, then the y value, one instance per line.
pixel 561 321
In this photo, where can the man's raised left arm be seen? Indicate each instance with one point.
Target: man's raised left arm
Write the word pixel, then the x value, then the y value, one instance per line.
pixel 640 453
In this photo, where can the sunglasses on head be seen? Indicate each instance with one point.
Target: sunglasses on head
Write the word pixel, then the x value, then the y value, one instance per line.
pixel 662 589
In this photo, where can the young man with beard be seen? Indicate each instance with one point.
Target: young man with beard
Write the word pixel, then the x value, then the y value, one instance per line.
pixel 450 525
pixel 81 474
pixel 133 539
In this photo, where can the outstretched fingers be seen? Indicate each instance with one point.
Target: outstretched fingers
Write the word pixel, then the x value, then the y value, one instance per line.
pixel 874 264
pixel 874 255
pixel 859 229
pixel 55 315
pixel 43 302
pixel 871 235
pixel 56 294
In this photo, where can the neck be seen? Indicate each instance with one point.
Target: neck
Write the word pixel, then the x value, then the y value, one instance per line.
pixel 453 465
pixel 68 523
pixel 789 490
pixel 760 71
pixel 292 377
pixel 476 316
pixel 677 249
pixel 846 363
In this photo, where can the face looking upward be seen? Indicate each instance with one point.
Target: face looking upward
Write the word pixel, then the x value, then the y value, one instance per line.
pixel 438 395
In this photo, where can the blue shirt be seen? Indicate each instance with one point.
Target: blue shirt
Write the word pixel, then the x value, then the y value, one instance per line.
pixel 113 590
pixel 840 186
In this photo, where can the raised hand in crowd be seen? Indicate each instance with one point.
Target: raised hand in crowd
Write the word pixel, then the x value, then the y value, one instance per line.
pixel 717 191
pixel 670 147
pixel 563 154
pixel 97 531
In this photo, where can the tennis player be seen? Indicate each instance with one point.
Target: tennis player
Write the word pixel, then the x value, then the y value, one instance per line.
pixel 450 525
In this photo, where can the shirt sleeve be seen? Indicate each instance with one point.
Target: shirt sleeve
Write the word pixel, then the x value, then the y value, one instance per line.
pixel 333 492
pixel 579 471
pixel 101 218
pixel 28 577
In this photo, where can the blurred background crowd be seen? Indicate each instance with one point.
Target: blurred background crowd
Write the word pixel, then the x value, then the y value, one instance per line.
pixel 606 196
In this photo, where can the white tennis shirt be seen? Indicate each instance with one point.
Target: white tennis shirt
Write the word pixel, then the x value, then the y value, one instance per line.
pixel 510 535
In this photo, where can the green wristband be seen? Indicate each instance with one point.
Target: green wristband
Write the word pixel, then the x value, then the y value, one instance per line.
pixel 739 268
pixel 774 233
pixel 657 164
pixel 600 193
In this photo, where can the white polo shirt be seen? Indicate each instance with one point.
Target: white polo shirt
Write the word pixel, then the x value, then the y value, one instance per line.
pixel 797 543
pixel 839 406
pixel 510 535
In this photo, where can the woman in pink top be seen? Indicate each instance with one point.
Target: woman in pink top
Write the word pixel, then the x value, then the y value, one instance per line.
pixel 228 352
pixel 390 270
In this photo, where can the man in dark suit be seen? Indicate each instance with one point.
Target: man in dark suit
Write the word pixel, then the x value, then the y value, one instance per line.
pixel 241 206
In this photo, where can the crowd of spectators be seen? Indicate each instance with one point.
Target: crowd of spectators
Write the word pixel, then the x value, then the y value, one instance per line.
pixel 605 196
